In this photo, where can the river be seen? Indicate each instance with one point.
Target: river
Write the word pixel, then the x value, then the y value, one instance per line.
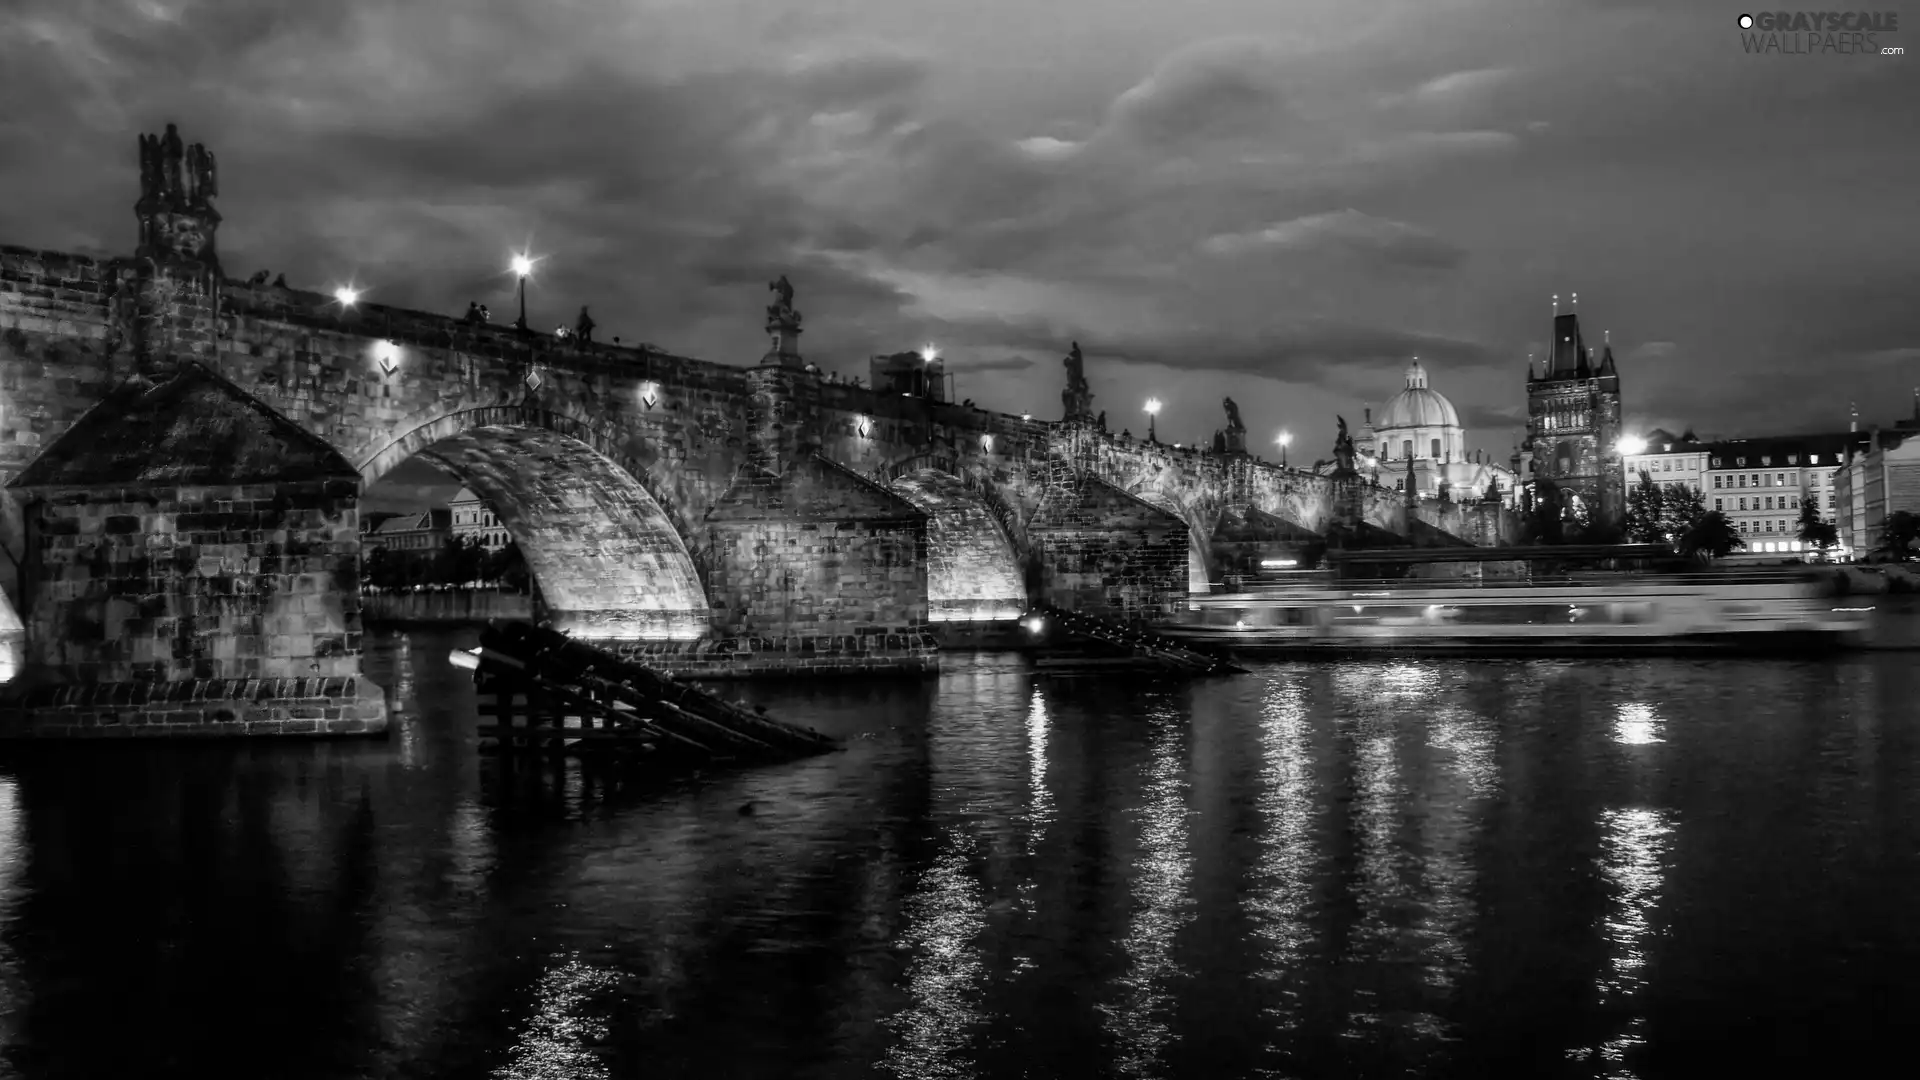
pixel 1643 868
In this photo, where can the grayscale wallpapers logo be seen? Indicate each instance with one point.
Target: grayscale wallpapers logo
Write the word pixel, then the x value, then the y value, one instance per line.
pixel 1811 33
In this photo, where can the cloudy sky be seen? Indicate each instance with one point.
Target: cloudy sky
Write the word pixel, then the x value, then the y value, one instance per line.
pixel 1277 200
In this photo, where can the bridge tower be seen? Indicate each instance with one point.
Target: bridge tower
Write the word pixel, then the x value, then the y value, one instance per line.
pixel 1573 423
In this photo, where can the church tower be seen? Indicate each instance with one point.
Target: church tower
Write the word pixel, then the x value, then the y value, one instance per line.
pixel 1573 422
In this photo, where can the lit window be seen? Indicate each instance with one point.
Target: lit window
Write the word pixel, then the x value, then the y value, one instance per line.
pixel 1793 459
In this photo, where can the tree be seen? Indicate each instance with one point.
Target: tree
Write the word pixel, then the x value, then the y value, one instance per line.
pixel 1711 537
pixel 509 567
pixel 1902 531
pixel 1646 512
pixel 1818 534
pixel 1680 509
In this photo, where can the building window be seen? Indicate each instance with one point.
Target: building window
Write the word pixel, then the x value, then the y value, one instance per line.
pixel 1780 479
pixel 1739 461
pixel 1813 459
pixel 1406 447
pixel 1743 504
pixel 1717 504
pixel 1436 449
pixel 1766 459
pixel 1793 459
pixel 1716 463
pixel 1743 479
pixel 1716 481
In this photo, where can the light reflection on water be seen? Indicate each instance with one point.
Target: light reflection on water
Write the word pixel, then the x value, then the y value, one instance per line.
pixel 1137 1016
pixel 1279 894
pixel 1464 869
pixel 1634 844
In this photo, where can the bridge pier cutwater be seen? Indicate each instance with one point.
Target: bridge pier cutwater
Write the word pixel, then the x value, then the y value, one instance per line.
pixel 182 456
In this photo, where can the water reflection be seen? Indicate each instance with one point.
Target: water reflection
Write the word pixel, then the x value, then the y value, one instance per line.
pixel 943 982
pixel 1279 898
pixel 13 858
pixel 1479 864
pixel 1634 846
pixel 1137 1023
pixel 1636 725
pixel 568 1027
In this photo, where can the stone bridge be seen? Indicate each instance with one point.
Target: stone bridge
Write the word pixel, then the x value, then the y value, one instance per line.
pixel 182 456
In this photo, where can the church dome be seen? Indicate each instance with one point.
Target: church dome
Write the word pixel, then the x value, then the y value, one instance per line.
pixel 1417 406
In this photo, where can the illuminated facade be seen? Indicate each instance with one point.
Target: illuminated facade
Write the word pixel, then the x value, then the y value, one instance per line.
pixel 1761 485
pixel 475 521
pixel 1669 460
pixel 1881 477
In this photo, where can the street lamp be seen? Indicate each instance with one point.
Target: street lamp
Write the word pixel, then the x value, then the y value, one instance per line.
pixel 928 353
pixel 522 269
pixel 347 295
pixel 1153 410
pixel 1631 444
pixel 1283 439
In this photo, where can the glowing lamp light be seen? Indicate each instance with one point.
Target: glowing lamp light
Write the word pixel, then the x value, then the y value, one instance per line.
pixel 928 353
pixel 862 425
pixel 986 443
pixel 1153 406
pixel 347 296
pixel 1283 440
pixel 649 394
pixel 1026 416
pixel 1632 444
pixel 389 356
pixel 522 266
pixel 461 658
pixel 1035 625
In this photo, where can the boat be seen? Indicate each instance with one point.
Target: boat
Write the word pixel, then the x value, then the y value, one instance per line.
pixel 1603 613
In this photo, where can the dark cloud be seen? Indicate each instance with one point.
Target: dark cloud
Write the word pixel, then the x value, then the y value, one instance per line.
pixel 1009 363
pixel 1344 232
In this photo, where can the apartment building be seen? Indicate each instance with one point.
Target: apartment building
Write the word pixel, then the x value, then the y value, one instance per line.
pixel 1760 485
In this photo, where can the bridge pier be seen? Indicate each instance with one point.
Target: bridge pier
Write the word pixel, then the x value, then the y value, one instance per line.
pixel 191 568
pixel 814 571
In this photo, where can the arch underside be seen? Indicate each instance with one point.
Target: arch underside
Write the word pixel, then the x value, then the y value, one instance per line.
pixel 973 574
pixel 1199 580
pixel 607 559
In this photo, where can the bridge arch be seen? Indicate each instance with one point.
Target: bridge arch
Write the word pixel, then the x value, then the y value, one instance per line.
pixel 974 571
pixel 611 559
pixel 1199 578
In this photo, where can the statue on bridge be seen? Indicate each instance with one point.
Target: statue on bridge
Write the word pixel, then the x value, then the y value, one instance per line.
pixel 1234 439
pixel 583 330
pixel 1078 395
pixel 783 299
pixel 1343 453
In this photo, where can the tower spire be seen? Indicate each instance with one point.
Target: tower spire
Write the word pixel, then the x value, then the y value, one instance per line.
pixel 1556 305
pixel 1853 409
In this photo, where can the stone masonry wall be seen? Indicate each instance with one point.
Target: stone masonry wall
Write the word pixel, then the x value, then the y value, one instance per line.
pixel 186 609
pixel 815 570
pixel 1105 553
